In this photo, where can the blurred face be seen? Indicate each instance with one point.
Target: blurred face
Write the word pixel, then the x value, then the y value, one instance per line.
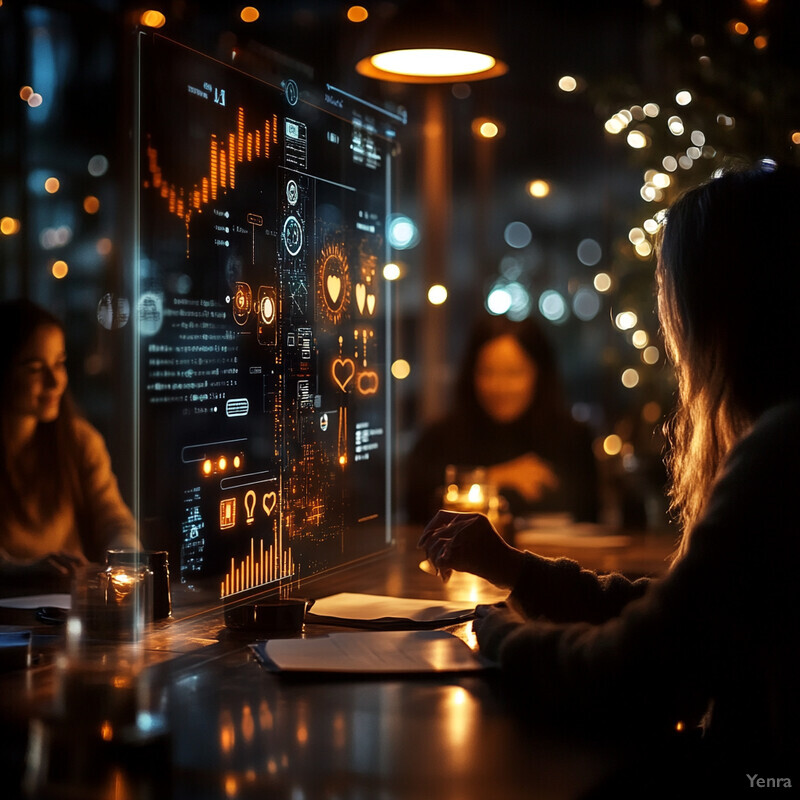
pixel 505 379
pixel 39 375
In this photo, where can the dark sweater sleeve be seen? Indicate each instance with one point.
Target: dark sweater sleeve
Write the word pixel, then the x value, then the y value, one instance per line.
pixel 722 625
pixel 560 591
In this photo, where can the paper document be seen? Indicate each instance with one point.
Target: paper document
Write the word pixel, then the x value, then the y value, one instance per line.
pixel 382 612
pixel 36 601
pixel 369 652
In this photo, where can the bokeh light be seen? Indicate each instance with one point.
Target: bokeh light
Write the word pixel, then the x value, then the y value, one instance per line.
pixel 249 14
pixel 91 205
pixel 538 188
pixel 612 445
pixel 357 14
pixel 517 234
pixel 401 369
pixel 437 294
pixel 9 226
pixel 552 306
pixel 152 19
pixel 59 269
pixel 52 185
pixel 589 252
pixel 567 83
pixel 630 378
pixel 602 282
pixel 391 271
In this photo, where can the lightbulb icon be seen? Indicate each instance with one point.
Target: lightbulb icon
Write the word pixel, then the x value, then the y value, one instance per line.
pixel 249 506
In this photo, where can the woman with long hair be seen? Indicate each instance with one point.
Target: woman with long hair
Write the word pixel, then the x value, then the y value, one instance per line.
pixel 714 645
pixel 60 499
pixel 508 417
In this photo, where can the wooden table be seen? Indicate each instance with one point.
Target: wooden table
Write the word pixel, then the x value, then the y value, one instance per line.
pixel 234 730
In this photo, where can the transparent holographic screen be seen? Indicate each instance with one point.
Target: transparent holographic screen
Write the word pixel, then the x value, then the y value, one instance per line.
pixel 263 326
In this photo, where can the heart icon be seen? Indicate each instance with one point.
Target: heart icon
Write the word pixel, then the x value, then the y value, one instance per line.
pixel 371 304
pixel 343 371
pixel 269 501
pixel 334 284
pixel 361 293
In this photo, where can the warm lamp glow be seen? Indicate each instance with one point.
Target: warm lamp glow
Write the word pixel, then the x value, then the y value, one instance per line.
pixel 59 269
pixel 357 13
pixel 249 14
pixel 152 19
pixel 538 188
pixel 430 65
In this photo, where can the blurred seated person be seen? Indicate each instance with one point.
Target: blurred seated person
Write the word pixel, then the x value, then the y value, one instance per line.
pixel 61 503
pixel 509 417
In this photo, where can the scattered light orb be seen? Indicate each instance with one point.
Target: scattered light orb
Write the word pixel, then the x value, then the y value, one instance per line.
pixel 643 249
pixel 401 369
pixel 391 271
pixel 104 246
pixel 661 180
pixel 567 83
pixel 59 269
pixel 640 339
pixel 25 92
pixel 612 445
pixel 651 412
pixel 91 205
pixel 602 282
pixel 437 294
pixel 670 163
pixel 98 165
pixel 498 301
pixel 357 13
pixel 52 185
pixel 698 138
pixel 795 137
pixel 683 98
pixel 650 225
pixel 9 226
pixel 538 188
pixel 35 100
pixel 651 109
pixel 586 304
pixel 401 232
pixel 636 235
pixel 589 252
pixel 650 355
pixel 152 19
pixel 626 320
pixel 517 235
pixel 675 125
pixel 630 378
pixel 637 140
pixel 249 14
pixel 552 306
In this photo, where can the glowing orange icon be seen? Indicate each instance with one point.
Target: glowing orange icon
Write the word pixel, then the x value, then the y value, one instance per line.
pixel 227 513
pixel 242 303
pixel 367 382
pixel 250 506
pixel 208 467
pixel 365 300
pixel 343 371
pixel 268 502
pixel 222 464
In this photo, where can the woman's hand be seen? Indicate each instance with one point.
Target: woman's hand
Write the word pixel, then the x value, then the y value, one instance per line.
pixel 491 625
pixel 528 475
pixel 468 542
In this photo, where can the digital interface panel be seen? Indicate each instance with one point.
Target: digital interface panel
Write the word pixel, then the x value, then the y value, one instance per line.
pixel 263 322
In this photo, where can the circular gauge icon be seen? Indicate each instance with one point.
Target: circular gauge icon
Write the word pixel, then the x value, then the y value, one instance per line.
pixel 292 192
pixel 292 93
pixel 267 310
pixel 292 235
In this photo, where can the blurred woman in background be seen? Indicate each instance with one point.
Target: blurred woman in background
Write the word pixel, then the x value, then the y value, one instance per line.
pixel 60 499
pixel 509 417
pixel 714 646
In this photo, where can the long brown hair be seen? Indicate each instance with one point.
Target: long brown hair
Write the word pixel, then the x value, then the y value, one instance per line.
pixel 54 477
pixel 729 288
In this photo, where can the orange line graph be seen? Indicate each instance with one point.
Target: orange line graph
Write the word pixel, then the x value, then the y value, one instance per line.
pixel 224 153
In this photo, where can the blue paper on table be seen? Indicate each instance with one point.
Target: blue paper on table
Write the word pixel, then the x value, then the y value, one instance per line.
pixel 380 612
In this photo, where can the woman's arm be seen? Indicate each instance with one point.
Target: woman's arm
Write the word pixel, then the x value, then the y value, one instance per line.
pixel 106 513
